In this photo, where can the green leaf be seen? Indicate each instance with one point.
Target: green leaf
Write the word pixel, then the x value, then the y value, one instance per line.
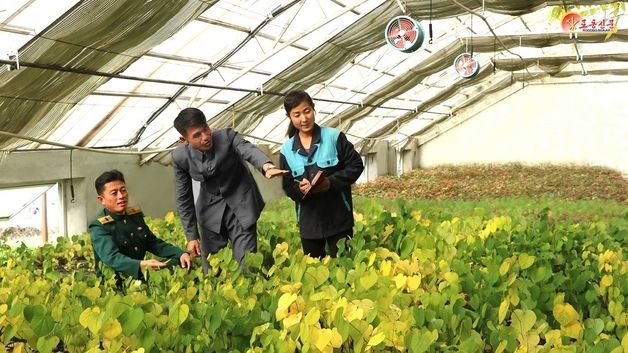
pixel 147 339
pixel 30 311
pixel 421 341
pixel 47 344
pixel 131 320
pixel 41 322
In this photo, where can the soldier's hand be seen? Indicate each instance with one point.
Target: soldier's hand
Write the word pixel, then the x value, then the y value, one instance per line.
pixel 152 264
pixel 194 248
pixel 185 261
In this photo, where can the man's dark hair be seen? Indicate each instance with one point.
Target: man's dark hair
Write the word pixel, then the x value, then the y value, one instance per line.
pixel 187 118
pixel 291 100
pixel 107 177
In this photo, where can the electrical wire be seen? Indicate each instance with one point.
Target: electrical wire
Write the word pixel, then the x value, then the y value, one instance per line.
pixel 492 32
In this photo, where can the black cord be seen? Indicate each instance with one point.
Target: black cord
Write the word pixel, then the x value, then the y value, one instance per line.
pixel 471 35
pixel 431 33
pixel 72 198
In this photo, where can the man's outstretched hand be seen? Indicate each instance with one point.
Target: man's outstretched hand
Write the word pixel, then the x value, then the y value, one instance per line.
pixel 270 171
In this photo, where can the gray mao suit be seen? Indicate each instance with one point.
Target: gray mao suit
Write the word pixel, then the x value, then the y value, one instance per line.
pixel 229 202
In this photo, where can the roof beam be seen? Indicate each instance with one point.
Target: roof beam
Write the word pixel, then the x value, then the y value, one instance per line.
pixel 188 59
pixel 235 27
pixel 148 95
pixel 17 29
pixel 22 8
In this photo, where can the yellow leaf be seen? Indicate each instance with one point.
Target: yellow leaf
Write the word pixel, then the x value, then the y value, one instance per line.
pixel 503 310
pixel 292 320
pixel 170 217
pixel 400 281
pixel 553 337
pixel 90 318
pixel 179 314
pixel 388 230
pixel 19 347
pixel 503 269
pixel 312 316
pixel 284 303
pixel 352 312
pixel 385 268
pixel 565 314
pixel 92 293
pixel 111 329
pixel 3 308
pixel 573 330
pixel 336 338
pixel 606 281
pixel 451 277
pixel 413 283
pixel 502 345
pixel 376 339
pixel 372 258
pixel 290 288
pixel 321 338
pixel 526 261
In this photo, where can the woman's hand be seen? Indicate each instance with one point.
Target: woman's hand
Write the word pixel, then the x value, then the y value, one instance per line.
pixel 304 186
pixel 322 185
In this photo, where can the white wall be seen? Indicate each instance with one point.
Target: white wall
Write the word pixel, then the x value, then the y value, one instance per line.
pixel 574 123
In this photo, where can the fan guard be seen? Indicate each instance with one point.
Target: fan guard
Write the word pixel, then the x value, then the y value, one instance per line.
pixel 466 65
pixel 404 34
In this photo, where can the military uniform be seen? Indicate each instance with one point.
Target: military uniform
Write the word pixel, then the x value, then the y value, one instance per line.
pixel 120 241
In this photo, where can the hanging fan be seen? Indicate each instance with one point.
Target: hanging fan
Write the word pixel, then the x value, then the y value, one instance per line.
pixel 466 65
pixel 404 34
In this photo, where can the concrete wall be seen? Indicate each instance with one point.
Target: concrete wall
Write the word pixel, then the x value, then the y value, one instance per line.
pixel 568 123
pixel 150 186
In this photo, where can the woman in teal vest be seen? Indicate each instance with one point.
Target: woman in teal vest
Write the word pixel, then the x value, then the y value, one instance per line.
pixel 323 204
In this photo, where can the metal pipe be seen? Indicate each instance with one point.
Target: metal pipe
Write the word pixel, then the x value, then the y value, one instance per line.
pixel 44 218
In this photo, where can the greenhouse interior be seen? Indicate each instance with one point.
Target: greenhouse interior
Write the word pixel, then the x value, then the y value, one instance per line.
pixel 313 176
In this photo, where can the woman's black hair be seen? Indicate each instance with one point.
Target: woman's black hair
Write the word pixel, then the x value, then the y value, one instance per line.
pixel 291 100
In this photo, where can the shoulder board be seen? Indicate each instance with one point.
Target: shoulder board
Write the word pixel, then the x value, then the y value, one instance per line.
pixel 105 219
pixel 133 210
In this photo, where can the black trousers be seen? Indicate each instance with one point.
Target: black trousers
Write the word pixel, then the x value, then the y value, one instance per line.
pixel 316 247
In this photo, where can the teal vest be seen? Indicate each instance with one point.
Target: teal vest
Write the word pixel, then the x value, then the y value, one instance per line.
pixel 325 155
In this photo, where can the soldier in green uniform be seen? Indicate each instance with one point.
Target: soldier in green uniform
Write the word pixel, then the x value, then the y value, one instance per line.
pixel 121 238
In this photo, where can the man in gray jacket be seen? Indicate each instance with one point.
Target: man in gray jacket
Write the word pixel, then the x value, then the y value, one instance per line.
pixel 229 202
